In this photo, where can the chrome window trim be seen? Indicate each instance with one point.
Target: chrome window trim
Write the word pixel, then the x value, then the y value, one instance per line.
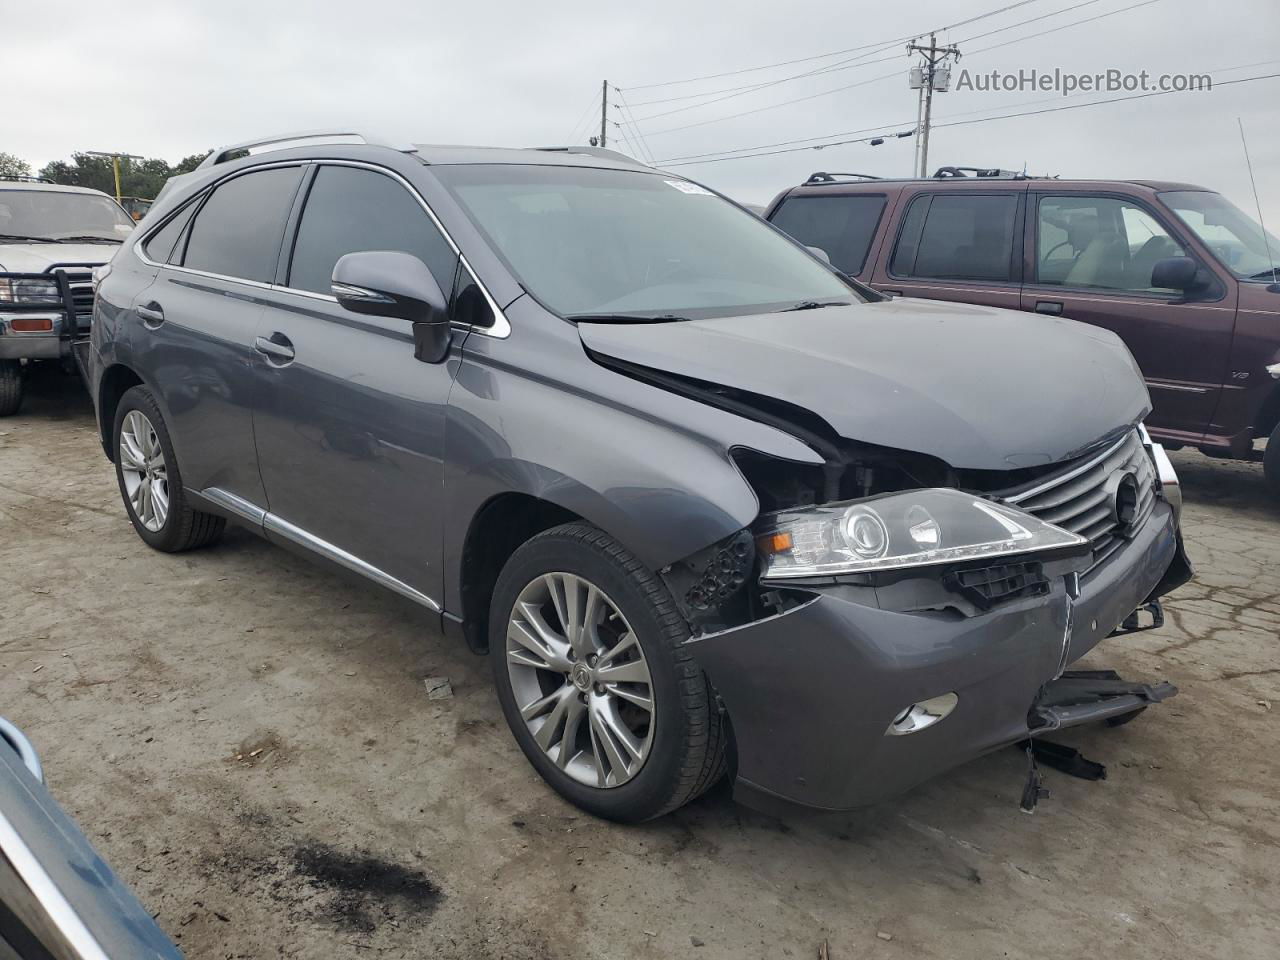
pixel 63 916
pixel 501 328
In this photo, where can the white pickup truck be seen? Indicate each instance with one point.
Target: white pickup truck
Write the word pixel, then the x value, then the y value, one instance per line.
pixel 51 239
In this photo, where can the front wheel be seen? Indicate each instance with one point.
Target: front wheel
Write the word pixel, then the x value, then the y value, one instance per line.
pixel 10 387
pixel 150 481
pixel 591 671
pixel 1271 462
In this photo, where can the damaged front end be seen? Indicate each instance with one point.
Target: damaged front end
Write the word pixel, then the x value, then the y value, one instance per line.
pixel 864 644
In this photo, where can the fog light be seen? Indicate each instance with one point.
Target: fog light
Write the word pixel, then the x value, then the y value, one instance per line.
pixel 31 325
pixel 920 716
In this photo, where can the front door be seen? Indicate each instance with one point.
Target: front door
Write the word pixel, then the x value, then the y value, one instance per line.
pixel 1091 260
pixel 349 425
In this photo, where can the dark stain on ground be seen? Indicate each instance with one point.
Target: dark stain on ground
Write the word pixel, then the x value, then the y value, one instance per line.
pixel 365 887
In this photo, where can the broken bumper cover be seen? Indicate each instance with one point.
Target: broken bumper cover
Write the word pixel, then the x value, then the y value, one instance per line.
pixel 811 692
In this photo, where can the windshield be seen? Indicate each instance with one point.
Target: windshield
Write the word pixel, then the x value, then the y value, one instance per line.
pixel 1229 232
pixel 53 215
pixel 620 244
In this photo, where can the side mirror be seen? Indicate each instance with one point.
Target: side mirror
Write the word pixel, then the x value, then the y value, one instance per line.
pixel 819 253
pixel 390 283
pixel 1175 273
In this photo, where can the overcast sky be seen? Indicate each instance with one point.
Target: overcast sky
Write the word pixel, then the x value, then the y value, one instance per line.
pixel 169 79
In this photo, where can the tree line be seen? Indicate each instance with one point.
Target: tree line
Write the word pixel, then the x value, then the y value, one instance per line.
pixel 138 178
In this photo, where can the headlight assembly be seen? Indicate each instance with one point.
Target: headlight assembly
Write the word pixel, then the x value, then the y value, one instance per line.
pixel 913 529
pixel 34 290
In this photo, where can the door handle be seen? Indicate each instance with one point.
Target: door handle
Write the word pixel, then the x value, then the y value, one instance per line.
pixel 1051 307
pixel 152 314
pixel 276 348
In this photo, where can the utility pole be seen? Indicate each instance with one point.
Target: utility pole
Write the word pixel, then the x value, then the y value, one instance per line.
pixel 115 164
pixel 932 74
pixel 604 113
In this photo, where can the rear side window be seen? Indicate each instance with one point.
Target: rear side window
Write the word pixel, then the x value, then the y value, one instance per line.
pixel 237 232
pixel 957 238
pixel 160 245
pixel 843 227
pixel 350 210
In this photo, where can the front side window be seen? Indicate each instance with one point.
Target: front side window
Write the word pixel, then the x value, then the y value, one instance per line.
pixel 1100 243
pixel 160 245
pixel 61 215
pixel 842 227
pixel 349 210
pixel 1235 239
pixel 237 232
pixel 621 244
pixel 957 237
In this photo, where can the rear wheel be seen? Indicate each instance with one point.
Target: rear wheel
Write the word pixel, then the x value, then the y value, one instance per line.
pixel 150 481
pixel 1271 461
pixel 592 675
pixel 10 387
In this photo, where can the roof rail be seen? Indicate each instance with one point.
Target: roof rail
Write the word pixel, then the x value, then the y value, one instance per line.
pixel 823 177
pixel 284 140
pixel 603 152
pixel 23 178
pixel 991 173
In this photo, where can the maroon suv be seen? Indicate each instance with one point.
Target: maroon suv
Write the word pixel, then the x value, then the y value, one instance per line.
pixel 1186 279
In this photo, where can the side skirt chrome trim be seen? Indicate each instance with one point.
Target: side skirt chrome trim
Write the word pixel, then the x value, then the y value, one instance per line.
pixel 295 534
pixel 233 504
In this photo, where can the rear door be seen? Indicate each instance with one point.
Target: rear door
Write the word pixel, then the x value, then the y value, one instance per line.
pixel 199 320
pixel 350 426
pixel 1090 257
pixel 956 244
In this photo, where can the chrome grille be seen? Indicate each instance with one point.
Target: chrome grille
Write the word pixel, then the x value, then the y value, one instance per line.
pixel 1080 498
pixel 80 282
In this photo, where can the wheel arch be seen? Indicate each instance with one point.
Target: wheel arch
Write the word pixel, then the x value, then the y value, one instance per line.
pixel 1268 415
pixel 116 381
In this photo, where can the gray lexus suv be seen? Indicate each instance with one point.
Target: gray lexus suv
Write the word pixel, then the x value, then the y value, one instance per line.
pixel 708 505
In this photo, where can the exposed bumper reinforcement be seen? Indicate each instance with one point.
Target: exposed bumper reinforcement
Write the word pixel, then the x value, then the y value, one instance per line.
pixel 1085 696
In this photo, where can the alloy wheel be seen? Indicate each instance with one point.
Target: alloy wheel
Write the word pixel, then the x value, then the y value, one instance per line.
pixel 580 680
pixel 142 465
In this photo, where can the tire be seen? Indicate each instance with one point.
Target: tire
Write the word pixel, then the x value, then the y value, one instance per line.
pixel 181 527
pixel 10 387
pixel 1271 462
pixel 684 734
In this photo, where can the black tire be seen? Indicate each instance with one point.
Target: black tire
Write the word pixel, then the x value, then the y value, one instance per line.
pixel 1271 462
pixel 10 387
pixel 185 528
pixel 689 748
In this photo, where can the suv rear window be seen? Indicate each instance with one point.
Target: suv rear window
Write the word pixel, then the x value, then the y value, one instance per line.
pixel 957 238
pixel 842 227
pixel 237 232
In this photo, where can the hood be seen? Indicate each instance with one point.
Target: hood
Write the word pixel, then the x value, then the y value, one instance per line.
pixel 978 387
pixel 38 257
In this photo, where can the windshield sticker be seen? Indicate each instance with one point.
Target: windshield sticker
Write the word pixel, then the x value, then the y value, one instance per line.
pixel 684 186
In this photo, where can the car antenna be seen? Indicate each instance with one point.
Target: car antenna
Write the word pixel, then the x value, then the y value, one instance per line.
pixel 1271 261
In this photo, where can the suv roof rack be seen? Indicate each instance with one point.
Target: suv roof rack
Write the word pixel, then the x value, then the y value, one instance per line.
pixel 23 178
pixel 603 152
pixel 281 141
pixel 992 173
pixel 823 177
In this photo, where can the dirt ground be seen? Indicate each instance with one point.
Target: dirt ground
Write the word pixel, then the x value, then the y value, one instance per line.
pixel 247 739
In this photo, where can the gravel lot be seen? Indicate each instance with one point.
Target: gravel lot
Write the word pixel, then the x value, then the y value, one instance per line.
pixel 247 739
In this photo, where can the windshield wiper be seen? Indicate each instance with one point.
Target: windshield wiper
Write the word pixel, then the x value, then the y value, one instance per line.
pixel 88 238
pixel 1271 273
pixel 23 238
pixel 622 318
pixel 815 305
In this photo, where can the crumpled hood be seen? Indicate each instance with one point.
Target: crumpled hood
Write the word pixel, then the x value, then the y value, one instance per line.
pixel 38 257
pixel 979 387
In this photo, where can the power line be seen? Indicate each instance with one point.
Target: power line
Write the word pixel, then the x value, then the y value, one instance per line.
pixel 742 155
pixel 834 53
pixel 625 109
pixel 1023 23
pixel 591 104
pixel 901 123
pixel 1064 26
